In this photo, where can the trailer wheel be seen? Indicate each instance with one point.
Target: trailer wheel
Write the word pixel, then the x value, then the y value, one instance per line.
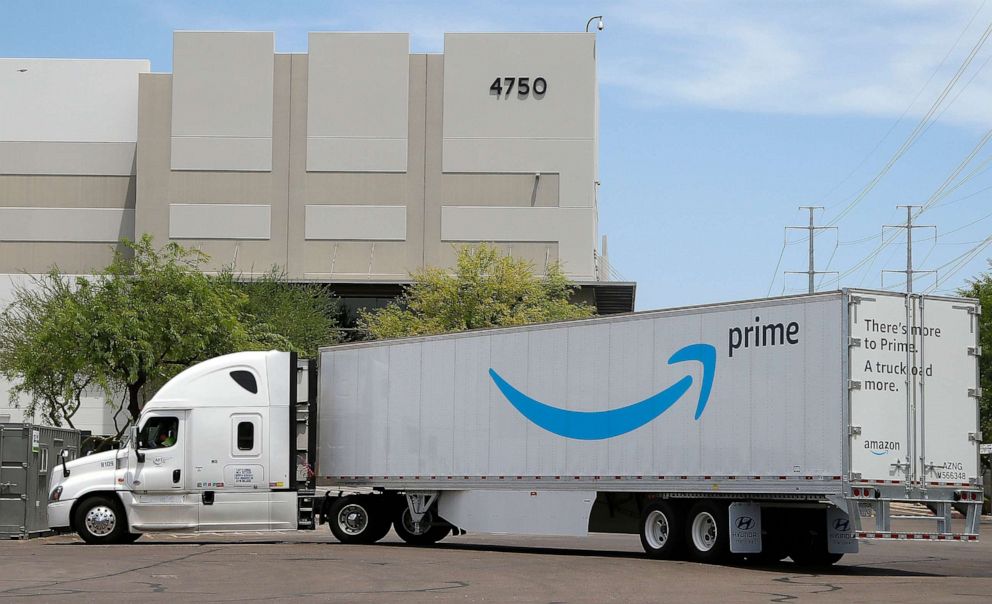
pixel 809 546
pixel 429 532
pixel 774 540
pixel 662 530
pixel 100 520
pixel 707 532
pixel 357 519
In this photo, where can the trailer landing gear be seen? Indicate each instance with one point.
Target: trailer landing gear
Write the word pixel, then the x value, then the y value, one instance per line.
pixel 426 532
pixel 417 523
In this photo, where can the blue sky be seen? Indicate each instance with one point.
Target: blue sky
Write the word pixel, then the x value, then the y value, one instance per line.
pixel 717 119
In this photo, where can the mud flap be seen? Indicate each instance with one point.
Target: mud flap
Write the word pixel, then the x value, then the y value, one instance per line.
pixel 840 532
pixel 745 528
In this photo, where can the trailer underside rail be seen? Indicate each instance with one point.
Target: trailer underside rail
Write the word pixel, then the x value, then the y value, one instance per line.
pixel 902 536
pixel 713 485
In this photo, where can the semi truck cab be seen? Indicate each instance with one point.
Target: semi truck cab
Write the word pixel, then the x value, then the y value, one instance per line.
pixel 214 450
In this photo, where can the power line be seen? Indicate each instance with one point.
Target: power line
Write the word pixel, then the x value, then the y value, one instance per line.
pixel 777 265
pixel 960 91
pixel 940 193
pixel 918 130
pixel 911 103
pixel 968 196
pixel 936 196
pixel 830 260
pixel 961 261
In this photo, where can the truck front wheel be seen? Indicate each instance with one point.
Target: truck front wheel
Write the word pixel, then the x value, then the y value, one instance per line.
pixel 100 520
pixel 358 519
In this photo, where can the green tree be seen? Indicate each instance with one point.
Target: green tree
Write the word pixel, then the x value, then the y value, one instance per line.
pixel 487 289
pixel 38 352
pixel 303 314
pixel 147 316
pixel 153 313
pixel 981 288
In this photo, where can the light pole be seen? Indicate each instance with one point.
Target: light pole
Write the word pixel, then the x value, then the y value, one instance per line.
pixel 600 26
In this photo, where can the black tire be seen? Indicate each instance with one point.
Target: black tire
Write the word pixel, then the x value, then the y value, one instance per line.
pixel 772 552
pixel 808 546
pixel 774 541
pixel 663 530
pixel 707 532
pixel 358 519
pixel 100 520
pixel 430 531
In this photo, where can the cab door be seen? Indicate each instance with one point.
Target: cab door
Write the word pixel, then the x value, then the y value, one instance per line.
pixel 162 498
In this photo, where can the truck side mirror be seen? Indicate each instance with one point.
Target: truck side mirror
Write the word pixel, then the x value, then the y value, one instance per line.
pixel 133 437
pixel 62 455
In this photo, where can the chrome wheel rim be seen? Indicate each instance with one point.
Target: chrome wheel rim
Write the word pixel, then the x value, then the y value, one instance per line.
pixel 101 521
pixel 656 529
pixel 704 531
pixel 353 519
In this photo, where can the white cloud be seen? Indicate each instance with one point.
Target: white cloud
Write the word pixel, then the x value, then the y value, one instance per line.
pixel 800 58
pixel 843 57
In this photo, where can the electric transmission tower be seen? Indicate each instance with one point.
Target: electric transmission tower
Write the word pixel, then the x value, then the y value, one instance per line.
pixel 811 272
pixel 909 226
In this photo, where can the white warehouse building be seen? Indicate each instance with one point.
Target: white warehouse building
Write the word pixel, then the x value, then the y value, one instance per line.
pixel 352 164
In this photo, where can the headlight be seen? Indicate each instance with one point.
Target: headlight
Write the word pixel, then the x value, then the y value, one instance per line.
pixel 56 494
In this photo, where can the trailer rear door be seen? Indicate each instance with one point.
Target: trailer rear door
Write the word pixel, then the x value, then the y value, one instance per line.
pixel 947 400
pixel 881 425
pixel 913 388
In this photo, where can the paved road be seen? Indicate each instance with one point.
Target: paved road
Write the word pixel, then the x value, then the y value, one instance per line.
pixel 313 567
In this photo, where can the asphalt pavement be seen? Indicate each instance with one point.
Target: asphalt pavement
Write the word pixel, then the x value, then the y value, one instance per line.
pixel 312 567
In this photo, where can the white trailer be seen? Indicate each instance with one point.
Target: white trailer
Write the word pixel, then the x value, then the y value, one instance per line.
pixel 767 428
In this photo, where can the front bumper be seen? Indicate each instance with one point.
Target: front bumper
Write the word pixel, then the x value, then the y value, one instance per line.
pixel 58 513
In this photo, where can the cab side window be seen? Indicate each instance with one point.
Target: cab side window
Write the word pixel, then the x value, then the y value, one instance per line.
pixel 246 435
pixel 159 433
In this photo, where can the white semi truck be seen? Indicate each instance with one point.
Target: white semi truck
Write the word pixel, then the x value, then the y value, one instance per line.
pixel 768 428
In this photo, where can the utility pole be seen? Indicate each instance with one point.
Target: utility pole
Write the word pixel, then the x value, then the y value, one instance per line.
pixel 909 226
pixel 811 272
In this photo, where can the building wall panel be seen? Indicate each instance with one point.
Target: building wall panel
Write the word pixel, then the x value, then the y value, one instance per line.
pixel 69 100
pixel 219 221
pixel 222 89
pixel 65 224
pixel 357 100
pixel 356 222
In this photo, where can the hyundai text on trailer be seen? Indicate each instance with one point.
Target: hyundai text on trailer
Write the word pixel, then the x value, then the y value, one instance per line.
pixel 771 428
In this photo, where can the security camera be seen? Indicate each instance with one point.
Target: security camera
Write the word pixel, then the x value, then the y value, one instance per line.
pixel 600 26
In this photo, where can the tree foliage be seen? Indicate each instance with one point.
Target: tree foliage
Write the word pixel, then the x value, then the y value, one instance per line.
pixel 38 352
pixel 303 315
pixel 981 288
pixel 487 289
pixel 153 313
pixel 144 318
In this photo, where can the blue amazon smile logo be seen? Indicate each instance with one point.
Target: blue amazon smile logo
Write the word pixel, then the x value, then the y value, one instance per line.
pixel 597 425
